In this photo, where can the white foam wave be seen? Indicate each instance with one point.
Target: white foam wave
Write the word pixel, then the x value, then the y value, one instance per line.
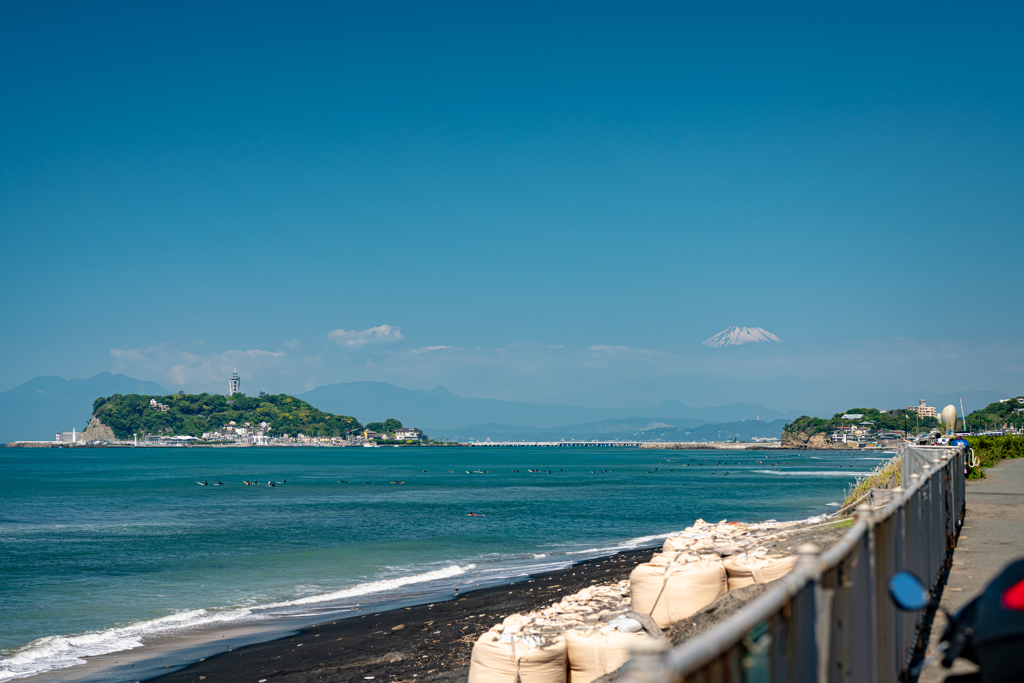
pixel 814 473
pixel 645 540
pixel 60 652
pixel 380 586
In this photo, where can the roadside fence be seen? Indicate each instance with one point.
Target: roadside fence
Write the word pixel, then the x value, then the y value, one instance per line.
pixel 830 620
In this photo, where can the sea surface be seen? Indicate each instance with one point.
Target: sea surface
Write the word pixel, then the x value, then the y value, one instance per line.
pixel 106 550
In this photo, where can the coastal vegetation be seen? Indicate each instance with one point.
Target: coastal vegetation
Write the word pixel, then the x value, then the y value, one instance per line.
pixel 894 420
pixel 998 415
pixel 880 478
pixel 388 426
pixel 193 414
pixel 989 450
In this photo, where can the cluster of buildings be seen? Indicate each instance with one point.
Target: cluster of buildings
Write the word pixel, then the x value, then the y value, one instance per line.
pixel 404 434
pixel 245 433
pixel 861 433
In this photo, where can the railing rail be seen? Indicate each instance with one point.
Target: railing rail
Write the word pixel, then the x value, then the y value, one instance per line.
pixel 830 619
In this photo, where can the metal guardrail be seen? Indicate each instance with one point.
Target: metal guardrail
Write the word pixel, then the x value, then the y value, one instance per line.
pixel 831 619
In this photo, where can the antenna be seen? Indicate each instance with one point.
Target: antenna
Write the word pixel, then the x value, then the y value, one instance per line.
pixel 963 415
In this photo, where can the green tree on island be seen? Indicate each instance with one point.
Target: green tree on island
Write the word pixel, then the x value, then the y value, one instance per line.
pixel 194 414
pixel 388 426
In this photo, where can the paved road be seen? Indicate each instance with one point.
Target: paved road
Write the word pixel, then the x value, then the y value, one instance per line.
pixel 992 536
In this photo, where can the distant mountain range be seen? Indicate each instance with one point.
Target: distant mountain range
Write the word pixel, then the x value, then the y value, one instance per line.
pixel 628 429
pixel 41 407
pixel 440 412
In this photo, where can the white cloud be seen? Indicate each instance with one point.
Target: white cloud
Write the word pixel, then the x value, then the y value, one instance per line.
pixel 428 349
pixel 604 348
pixel 381 334
pixel 167 365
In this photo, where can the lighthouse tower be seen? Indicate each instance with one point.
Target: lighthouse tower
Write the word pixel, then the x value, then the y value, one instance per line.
pixel 233 382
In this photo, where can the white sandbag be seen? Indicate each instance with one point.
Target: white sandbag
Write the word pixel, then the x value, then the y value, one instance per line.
pixel 601 651
pixel 664 558
pixel 508 655
pixel 676 544
pixel 673 592
pixel 750 568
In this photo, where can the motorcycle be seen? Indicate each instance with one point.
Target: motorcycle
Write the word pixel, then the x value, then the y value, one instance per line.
pixel 989 630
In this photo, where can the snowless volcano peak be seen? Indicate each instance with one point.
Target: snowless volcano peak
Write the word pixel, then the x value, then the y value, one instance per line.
pixel 734 336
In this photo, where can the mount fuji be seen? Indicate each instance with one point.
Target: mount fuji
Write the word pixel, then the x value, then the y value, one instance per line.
pixel 734 336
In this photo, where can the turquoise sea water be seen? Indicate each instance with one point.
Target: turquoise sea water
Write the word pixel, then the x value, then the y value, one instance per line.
pixel 109 549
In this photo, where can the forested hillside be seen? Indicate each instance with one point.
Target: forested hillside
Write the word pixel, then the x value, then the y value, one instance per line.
pixel 997 415
pixel 193 414
pixel 896 420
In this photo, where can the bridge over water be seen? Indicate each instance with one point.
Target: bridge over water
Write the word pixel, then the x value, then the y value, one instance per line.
pixel 553 444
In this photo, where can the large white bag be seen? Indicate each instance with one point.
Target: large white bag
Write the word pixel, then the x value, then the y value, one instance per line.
pixel 748 568
pixel 670 592
pixel 503 656
pixel 596 651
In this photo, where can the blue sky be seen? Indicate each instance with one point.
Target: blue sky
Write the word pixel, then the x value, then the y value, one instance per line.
pixel 541 202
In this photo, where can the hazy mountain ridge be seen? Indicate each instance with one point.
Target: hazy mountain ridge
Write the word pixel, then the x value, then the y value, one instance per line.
pixel 629 429
pixel 43 406
pixel 370 401
pixel 40 407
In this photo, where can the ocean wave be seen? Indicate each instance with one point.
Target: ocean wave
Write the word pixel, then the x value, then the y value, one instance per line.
pixel 814 473
pixel 60 652
pixel 380 586
pixel 645 540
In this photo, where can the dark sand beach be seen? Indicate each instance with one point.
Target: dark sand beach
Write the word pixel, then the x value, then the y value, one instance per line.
pixel 422 643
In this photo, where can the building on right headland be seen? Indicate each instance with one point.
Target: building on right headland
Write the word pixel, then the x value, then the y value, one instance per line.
pixel 68 437
pixel 235 381
pixel 923 410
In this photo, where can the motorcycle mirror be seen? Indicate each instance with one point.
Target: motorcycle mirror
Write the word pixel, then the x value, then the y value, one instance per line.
pixel 907 592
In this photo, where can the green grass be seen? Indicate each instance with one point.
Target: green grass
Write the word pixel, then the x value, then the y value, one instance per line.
pixel 877 479
pixel 989 450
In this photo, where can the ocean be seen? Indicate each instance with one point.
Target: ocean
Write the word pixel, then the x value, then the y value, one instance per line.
pixel 107 550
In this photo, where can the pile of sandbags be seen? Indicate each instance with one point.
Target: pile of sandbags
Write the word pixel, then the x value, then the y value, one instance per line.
pixel 580 638
pixel 591 633
pixel 689 572
pixel 705 537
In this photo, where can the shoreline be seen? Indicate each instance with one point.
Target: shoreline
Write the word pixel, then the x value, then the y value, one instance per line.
pixel 178 650
pixel 432 643
pixel 425 642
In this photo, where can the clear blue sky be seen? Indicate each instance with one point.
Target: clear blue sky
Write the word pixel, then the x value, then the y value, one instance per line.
pixel 191 187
